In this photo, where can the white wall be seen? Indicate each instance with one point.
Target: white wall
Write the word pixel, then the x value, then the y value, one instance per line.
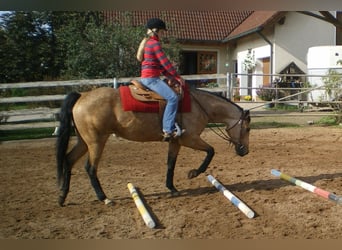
pixel 291 42
pixel 259 52
pixel 293 39
pixel 320 60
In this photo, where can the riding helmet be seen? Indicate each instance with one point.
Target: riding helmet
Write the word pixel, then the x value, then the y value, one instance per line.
pixel 156 23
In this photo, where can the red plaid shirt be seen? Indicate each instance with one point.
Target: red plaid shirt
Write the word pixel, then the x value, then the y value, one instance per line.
pixel 155 61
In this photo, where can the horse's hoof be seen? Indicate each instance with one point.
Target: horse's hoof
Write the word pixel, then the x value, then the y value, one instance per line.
pixel 192 173
pixel 108 202
pixel 61 201
pixel 174 193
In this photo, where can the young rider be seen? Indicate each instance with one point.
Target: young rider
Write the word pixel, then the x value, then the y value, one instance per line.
pixel 154 62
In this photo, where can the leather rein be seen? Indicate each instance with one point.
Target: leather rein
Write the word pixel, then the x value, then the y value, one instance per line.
pixel 221 132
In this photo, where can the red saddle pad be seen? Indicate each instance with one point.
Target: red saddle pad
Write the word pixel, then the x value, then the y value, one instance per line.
pixel 131 104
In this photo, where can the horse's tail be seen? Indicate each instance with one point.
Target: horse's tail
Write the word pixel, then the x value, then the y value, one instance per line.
pixel 64 132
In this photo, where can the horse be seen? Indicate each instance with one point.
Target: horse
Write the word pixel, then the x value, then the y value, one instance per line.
pixel 97 114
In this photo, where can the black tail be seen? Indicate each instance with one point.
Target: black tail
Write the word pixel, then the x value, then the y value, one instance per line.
pixel 64 132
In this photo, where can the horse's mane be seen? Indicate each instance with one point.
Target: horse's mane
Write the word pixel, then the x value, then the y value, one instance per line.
pixel 219 96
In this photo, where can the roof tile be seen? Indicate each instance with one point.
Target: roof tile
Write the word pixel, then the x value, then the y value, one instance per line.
pixel 258 19
pixel 211 26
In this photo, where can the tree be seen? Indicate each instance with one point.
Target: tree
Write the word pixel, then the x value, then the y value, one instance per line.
pixel 25 47
pixel 49 45
pixel 69 31
pixel 100 51
pixel 333 86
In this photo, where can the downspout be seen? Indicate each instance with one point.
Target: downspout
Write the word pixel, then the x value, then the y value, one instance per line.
pixel 271 51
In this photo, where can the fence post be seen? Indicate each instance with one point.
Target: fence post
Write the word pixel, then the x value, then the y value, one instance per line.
pixel 229 85
pixel 115 83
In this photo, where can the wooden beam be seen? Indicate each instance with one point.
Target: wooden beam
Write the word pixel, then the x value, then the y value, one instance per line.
pixel 326 16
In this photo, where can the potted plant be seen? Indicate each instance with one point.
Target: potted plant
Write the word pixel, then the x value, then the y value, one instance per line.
pixel 247 98
pixel 236 95
pixel 266 93
pixel 249 63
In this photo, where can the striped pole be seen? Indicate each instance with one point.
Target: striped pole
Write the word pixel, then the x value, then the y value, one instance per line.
pixel 307 186
pixel 231 197
pixel 140 205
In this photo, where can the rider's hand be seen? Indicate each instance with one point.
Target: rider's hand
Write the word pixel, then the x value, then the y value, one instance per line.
pixel 181 82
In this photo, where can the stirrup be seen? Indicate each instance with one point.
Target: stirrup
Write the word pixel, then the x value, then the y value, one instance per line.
pixel 178 131
pixel 167 136
pixel 175 133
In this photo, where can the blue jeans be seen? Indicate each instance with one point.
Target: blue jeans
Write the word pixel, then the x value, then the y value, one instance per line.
pixel 160 87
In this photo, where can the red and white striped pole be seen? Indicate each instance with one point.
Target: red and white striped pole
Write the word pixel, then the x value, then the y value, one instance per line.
pixel 309 187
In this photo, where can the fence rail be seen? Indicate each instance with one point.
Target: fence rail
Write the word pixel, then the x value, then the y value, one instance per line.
pixel 47 117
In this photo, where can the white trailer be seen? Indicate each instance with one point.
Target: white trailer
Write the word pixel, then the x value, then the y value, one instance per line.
pixel 320 60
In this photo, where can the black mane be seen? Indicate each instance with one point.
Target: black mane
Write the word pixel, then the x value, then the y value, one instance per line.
pixel 220 96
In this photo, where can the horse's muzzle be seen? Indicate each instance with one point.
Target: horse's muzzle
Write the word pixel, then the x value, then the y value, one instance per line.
pixel 241 149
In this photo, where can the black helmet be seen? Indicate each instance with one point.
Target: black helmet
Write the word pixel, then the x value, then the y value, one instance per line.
pixel 156 23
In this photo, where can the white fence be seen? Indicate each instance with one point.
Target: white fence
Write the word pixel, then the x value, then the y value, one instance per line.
pixel 47 117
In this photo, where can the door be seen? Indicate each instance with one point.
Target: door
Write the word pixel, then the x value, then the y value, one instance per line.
pixel 266 71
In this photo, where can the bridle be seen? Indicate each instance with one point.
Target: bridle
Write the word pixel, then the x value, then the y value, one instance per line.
pixel 220 133
pixel 225 136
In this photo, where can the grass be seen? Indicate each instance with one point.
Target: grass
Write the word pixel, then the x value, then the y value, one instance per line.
pixel 273 124
pixel 285 107
pixel 38 133
pixel 327 121
pixel 11 106
pixel 21 134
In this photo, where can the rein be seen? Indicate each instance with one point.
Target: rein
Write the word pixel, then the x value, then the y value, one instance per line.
pixel 221 133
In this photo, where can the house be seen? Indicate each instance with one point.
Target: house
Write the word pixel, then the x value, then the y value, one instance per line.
pixel 201 34
pixel 275 41
pixel 223 41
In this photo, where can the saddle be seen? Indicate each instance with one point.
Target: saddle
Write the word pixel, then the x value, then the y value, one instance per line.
pixel 141 93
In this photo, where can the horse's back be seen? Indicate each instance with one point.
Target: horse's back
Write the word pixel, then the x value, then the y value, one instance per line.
pixel 99 113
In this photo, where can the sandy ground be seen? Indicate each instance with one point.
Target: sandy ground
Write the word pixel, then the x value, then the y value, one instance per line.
pixel 29 208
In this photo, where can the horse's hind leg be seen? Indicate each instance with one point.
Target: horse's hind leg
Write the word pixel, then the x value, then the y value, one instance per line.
pixel 95 152
pixel 72 157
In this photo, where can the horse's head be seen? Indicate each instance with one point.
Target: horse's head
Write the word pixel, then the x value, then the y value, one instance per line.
pixel 239 133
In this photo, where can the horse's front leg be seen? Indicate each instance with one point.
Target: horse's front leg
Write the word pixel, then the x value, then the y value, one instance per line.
pixel 199 144
pixel 171 163
pixel 203 167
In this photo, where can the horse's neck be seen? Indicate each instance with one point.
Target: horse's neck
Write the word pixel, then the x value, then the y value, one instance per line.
pixel 216 108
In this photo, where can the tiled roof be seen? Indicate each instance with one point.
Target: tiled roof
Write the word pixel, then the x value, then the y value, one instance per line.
pixel 210 26
pixel 257 20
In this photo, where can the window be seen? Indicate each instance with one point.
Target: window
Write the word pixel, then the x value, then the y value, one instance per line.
pixel 207 62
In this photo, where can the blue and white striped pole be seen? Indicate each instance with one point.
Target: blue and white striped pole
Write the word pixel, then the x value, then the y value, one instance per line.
pixel 231 197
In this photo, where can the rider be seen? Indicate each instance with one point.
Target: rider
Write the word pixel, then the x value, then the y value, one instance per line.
pixel 154 62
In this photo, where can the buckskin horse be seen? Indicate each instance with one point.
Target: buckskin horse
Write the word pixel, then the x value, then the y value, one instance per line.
pixel 99 113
